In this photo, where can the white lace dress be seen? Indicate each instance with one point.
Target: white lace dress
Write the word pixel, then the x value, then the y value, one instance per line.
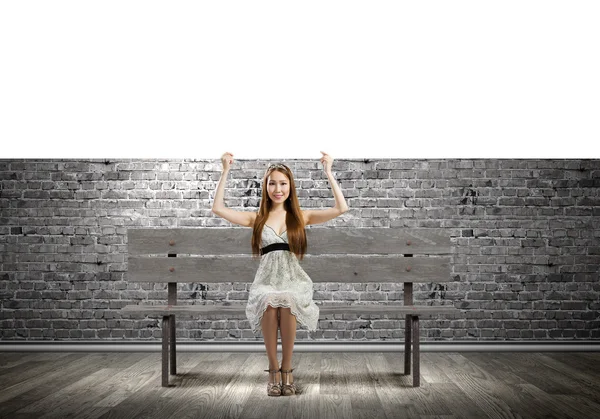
pixel 280 281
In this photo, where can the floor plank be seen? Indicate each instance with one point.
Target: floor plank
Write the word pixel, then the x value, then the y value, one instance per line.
pixel 53 376
pixel 346 385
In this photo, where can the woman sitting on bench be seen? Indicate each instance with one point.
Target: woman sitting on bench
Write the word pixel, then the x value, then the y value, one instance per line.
pixel 282 292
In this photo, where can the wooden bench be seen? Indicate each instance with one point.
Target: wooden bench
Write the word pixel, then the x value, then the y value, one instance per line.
pixel 340 255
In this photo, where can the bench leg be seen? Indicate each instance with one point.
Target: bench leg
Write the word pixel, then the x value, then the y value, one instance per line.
pixel 165 351
pixel 172 342
pixel 416 352
pixel 407 337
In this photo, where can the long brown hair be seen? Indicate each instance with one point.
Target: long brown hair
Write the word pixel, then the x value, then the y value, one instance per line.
pixel 293 218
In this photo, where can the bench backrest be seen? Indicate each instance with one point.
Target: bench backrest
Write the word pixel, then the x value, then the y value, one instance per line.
pixel 338 254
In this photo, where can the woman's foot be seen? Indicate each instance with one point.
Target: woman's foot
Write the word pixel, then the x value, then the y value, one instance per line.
pixel 274 384
pixel 288 388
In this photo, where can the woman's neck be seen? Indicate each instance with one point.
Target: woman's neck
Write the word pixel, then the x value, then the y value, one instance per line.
pixel 278 209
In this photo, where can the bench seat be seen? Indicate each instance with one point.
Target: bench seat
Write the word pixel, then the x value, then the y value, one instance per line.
pixel 324 309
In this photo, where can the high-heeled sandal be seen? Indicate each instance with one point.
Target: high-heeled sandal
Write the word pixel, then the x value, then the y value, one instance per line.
pixel 287 389
pixel 274 389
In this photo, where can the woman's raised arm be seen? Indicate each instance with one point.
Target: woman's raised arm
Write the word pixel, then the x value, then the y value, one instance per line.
pixel 243 218
pixel 340 207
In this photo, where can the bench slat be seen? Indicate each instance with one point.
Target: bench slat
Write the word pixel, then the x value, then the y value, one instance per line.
pixel 324 309
pixel 389 309
pixel 321 240
pixel 165 310
pixel 340 269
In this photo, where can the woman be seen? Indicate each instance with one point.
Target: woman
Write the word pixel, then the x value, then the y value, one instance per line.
pixel 281 294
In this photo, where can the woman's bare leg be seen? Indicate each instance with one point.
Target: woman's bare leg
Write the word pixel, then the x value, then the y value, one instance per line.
pixel 288 336
pixel 269 331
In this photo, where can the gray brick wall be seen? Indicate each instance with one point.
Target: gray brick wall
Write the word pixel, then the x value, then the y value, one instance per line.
pixel 525 234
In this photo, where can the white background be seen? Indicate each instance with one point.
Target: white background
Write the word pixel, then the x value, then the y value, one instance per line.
pixel 283 79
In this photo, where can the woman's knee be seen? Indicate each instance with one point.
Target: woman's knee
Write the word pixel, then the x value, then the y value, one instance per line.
pixel 271 311
pixel 286 311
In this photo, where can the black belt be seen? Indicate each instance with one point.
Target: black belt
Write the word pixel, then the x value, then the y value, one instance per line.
pixel 274 246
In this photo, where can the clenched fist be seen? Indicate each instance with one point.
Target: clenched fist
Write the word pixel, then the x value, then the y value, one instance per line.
pixel 327 162
pixel 227 160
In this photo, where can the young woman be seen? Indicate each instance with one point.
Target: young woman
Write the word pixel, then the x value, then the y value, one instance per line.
pixel 281 293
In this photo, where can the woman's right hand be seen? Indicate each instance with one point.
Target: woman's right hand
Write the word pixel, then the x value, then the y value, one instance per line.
pixel 227 160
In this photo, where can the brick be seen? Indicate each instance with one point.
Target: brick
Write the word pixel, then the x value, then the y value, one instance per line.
pixel 524 240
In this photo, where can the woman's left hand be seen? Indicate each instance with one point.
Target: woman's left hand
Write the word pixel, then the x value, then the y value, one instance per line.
pixel 327 161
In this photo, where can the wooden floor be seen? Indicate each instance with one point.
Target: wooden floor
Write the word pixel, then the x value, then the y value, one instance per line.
pixel 331 385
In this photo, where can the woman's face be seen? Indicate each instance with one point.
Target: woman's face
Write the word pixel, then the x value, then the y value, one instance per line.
pixel 278 187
